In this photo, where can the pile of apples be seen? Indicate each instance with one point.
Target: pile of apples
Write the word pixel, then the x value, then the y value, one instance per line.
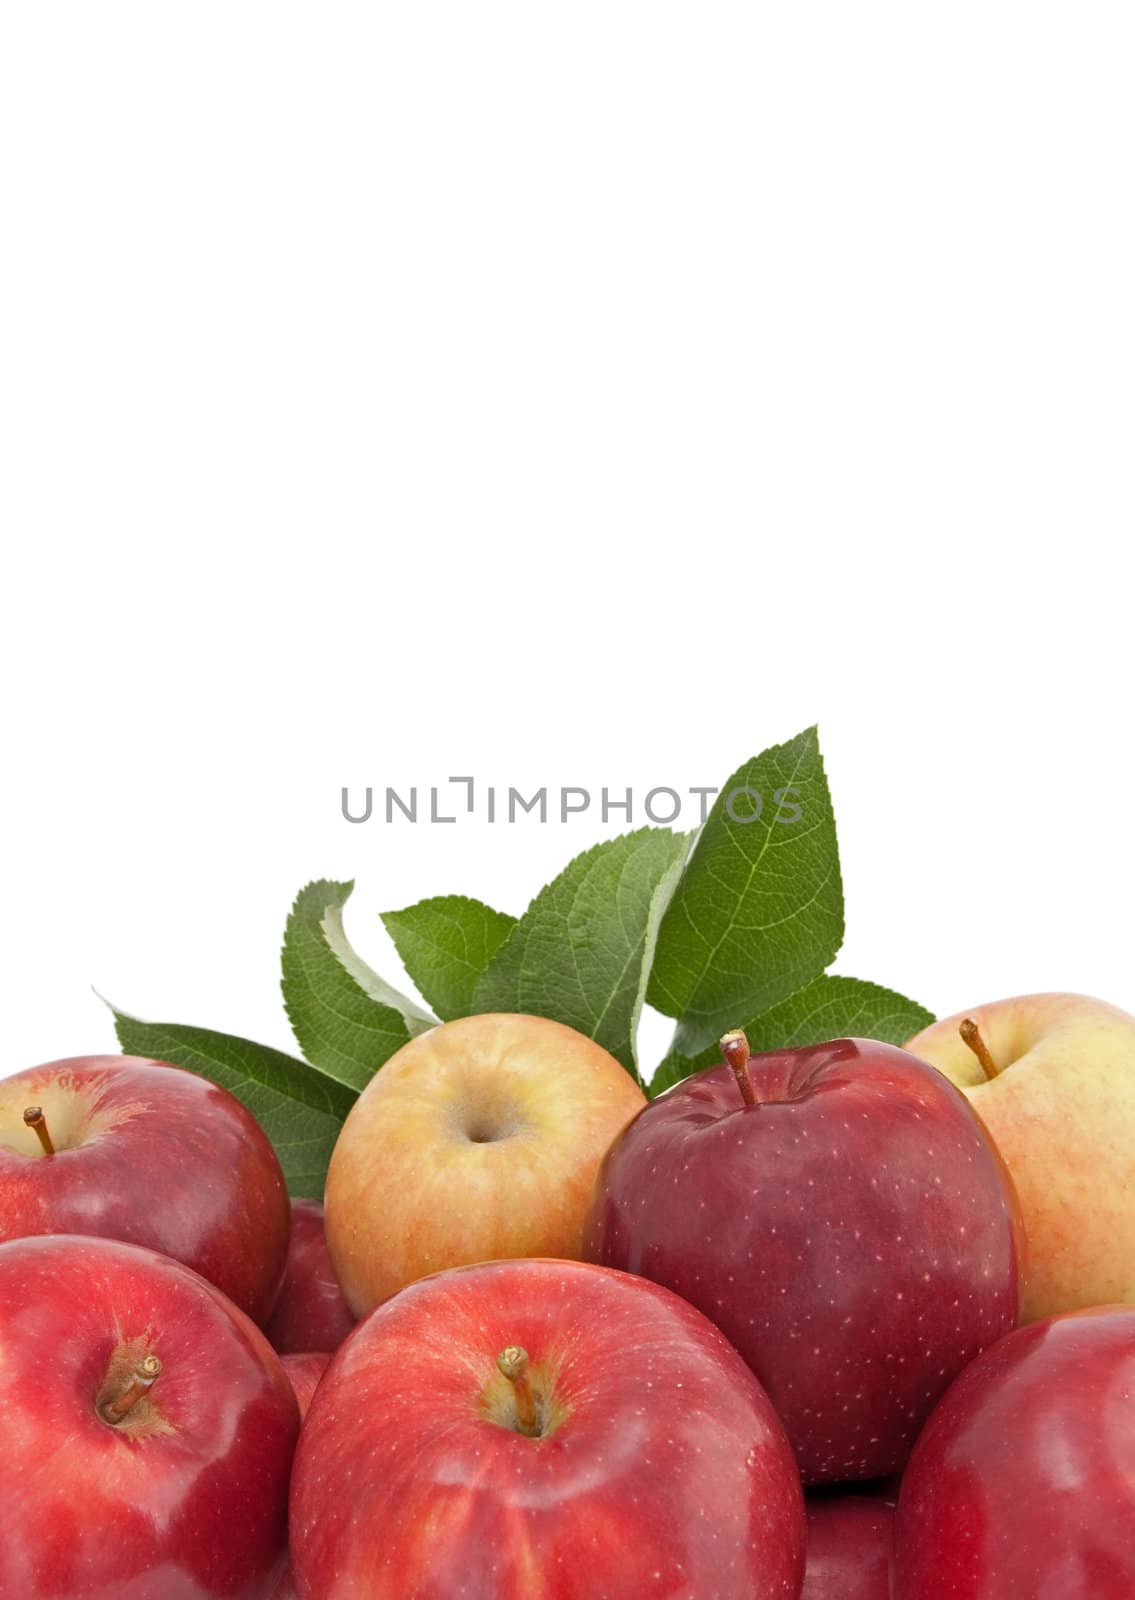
pixel 845 1322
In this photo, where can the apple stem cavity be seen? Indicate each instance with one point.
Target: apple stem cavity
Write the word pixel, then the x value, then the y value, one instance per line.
pixel 971 1035
pixel 142 1380
pixel 513 1364
pixel 735 1049
pixel 35 1119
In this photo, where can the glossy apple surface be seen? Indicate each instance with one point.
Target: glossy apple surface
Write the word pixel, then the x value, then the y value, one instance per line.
pixel 310 1311
pixel 850 1546
pixel 1022 1486
pixel 478 1140
pixel 184 1497
pixel 151 1155
pixel 658 1468
pixel 1061 1110
pixel 853 1233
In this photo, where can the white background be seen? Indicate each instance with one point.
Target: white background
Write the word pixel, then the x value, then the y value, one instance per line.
pixel 559 394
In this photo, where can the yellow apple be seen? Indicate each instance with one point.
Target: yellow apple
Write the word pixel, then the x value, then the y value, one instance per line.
pixel 478 1140
pixel 1058 1097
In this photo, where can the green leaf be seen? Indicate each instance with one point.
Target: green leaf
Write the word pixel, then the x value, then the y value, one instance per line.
pixel 446 944
pixel 759 910
pixel 347 1020
pixel 582 951
pixel 834 1007
pixel 300 1111
pixel 828 1008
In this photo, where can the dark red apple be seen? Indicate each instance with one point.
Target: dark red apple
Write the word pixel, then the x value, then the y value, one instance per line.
pixel 1022 1485
pixel 850 1542
pixel 310 1311
pixel 141 1151
pixel 842 1216
pixel 543 1427
pixel 148 1430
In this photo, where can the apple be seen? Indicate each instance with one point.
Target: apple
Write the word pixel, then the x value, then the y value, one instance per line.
pixel 1022 1486
pixel 543 1427
pixel 286 1588
pixel 1057 1093
pixel 148 1430
pixel 477 1140
pixel 310 1311
pixel 140 1151
pixel 849 1552
pixel 842 1216
pixel 304 1371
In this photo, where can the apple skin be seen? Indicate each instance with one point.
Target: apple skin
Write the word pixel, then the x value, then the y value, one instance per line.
pixel 853 1233
pixel 151 1155
pixel 1062 1112
pixel 667 1475
pixel 310 1311
pixel 1023 1482
pixel 143 1510
pixel 850 1546
pixel 477 1141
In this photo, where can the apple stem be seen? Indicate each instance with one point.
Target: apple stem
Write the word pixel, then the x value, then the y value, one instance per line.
pixel 145 1375
pixel 35 1119
pixel 735 1049
pixel 513 1363
pixel 971 1035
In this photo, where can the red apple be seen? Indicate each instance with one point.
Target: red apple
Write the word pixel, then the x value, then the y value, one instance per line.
pixel 842 1216
pixel 148 1430
pixel 310 1311
pixel 543 1427
pixel 850 1539
pixel 1022 1486
pixel 304 1372
pixel 286 1588
pixel 143 1152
